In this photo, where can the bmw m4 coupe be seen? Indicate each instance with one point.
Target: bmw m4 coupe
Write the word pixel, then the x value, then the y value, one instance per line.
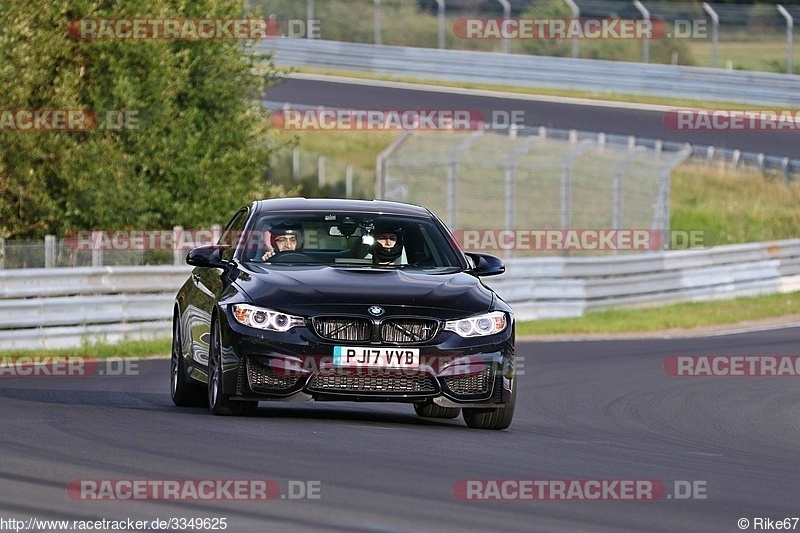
pixel 343 300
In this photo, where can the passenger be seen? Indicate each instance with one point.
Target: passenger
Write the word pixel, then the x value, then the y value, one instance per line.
pixel 388 246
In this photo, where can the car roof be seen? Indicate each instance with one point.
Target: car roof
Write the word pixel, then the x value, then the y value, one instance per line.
pixel 329 204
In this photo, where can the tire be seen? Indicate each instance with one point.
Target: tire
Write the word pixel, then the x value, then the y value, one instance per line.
pixel 218 402
pixel 431 410
pixel 492 417
pixel 183 393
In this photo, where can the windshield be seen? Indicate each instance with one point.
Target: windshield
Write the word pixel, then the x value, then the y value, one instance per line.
pixel 347 239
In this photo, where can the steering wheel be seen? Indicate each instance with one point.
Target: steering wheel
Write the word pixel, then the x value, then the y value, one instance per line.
pixel 292 257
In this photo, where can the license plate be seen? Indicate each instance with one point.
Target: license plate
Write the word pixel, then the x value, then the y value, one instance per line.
pixel 357 357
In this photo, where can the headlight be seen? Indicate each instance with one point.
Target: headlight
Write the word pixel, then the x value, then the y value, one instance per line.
pixel 478 326
pixel 262 318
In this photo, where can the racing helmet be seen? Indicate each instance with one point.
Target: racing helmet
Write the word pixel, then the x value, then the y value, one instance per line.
pixel 287 227
pixel 385 254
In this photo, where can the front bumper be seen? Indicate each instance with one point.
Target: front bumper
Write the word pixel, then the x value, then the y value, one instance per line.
pixel 297 366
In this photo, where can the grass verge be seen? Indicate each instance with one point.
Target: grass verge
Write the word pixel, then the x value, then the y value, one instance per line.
pixel 767 56
pixel 359 148
pixel 678 316
pixel 131 349
pixel 732 207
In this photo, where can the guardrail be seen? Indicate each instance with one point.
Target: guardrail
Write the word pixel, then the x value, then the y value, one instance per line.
pixel 569 287
pixel 48 308
pixel 66 307
pixel 774 24
pixel 539 71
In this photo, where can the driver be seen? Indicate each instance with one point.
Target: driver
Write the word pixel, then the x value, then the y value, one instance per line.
pixel 284 237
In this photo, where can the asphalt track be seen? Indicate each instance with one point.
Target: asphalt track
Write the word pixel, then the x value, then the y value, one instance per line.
pixel 647 122
pixel 586 410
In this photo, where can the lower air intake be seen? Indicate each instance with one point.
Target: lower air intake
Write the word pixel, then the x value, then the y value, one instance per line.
pixel 388 384
pixel 479 384
pixel 263 379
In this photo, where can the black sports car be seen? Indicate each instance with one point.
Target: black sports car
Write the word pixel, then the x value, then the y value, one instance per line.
pixel 343 300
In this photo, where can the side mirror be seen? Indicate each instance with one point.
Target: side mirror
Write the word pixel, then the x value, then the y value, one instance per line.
pixel 486 265
pixel 207 256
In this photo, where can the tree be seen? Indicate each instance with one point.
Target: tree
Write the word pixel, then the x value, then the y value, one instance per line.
pixel 194 144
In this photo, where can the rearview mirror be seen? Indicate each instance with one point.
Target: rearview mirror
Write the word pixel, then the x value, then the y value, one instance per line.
pixel 486 265
pixel 345 230
pixel 207 256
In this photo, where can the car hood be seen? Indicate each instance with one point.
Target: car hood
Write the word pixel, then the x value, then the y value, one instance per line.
pixel 307 290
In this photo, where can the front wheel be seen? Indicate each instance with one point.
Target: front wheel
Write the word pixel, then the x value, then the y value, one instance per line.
pixel 220 403
pixel 492 417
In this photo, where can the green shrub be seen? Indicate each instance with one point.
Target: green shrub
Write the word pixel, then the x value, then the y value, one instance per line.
pixel 199 151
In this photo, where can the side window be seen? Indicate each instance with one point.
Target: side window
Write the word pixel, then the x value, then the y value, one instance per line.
pixel 233 231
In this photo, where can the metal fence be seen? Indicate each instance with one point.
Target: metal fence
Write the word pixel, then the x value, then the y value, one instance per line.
pixel 103 248
pixel 547 179
pixel 716 31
